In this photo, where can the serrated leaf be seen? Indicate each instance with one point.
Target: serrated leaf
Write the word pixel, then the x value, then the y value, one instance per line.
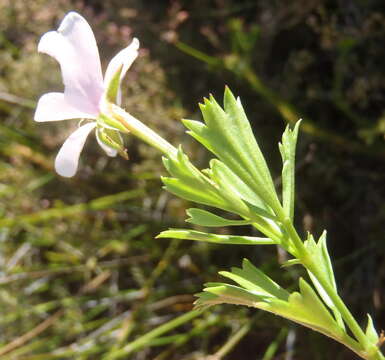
pixel 255 280
pixel 206 218
pixel 186 234
pixel 227 133
pixel 321 257
pixel 306 308
pixel 180 189
pixel 220 293
pixel 199 132
pixel 189 183
pixel 224 177
pixel 225 186
pixel 198 186
pixel 194 185
pixel 258 290
pixel 371 332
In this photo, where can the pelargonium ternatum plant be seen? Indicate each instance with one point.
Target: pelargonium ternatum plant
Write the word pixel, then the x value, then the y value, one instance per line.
pixel 237 181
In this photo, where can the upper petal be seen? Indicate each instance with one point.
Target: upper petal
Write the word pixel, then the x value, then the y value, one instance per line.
pixel 73 45
pixel 53 106
pixel 123 58
pixel 67 160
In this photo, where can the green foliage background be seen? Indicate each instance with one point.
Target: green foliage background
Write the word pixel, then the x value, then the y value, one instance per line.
pixel 80 271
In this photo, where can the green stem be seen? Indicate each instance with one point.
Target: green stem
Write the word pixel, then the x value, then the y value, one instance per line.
pixel 346 315
pixel 232 341
pixel 312 266
pixel 143 132
pixel 160 330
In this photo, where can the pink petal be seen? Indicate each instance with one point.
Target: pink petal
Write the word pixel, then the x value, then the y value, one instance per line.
pixel 124 57
pixel 74 47
pixel 108 150
pixel 53 106
pixel 66 162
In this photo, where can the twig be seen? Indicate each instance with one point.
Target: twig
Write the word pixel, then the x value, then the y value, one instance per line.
pixel 21 340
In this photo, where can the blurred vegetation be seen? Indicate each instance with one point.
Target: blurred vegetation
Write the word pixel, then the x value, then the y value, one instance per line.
pixel 81 275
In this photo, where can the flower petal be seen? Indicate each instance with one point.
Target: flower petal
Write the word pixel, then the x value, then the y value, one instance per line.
pixel 108 150
pixel 66 162
pixel 53 106
pixel 74 47
pixel 124 57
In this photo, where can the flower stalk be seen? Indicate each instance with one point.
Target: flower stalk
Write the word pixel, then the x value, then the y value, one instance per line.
pixel 142 131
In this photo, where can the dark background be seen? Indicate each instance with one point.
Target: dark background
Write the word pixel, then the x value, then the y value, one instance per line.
pixel 91 265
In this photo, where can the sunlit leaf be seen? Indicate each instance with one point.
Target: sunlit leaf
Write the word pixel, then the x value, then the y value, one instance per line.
pixel 206 218
pixel 186 234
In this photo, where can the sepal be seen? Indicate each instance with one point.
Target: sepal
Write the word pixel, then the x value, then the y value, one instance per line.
pixel 112 139
pixel 109 121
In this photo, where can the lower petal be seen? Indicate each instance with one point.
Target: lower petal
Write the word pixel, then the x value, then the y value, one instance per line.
pixel 53 106
pixel 67 160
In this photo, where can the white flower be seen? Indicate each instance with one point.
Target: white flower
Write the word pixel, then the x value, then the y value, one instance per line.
pixel 73 45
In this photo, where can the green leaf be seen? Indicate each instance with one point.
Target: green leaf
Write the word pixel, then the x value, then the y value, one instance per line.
pixel 186 234
pixel 217 187
pixel 225 178
pixel 184 191
pixel 191 184
pixel 287 149
pixel 226 188
pixel 320 255
pixel 255 280
pixel 199 132
pixel 220 293
pixel 306 308
pixel 227 133
pixel 206 218
pixel 291 262
pixel 258 290
pixel 371 332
